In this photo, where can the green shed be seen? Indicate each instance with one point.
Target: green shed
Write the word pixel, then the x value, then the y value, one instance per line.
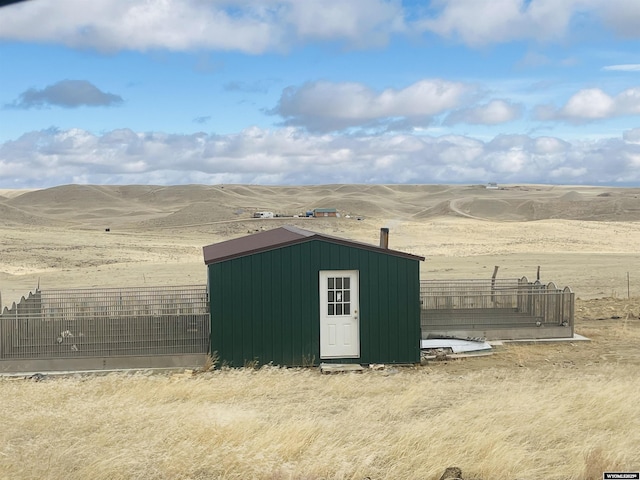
pixel 295 297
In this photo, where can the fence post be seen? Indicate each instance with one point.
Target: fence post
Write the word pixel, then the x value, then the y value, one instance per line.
pixel 553 313
pixel 628 287
pixel 522 294
pixel 568 300
pixel 493 284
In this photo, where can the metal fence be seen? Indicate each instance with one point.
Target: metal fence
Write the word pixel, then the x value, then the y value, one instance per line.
pixel 108 322
pixel 472 305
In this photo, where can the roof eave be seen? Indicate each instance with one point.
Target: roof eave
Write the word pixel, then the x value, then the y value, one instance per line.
pixel 364 246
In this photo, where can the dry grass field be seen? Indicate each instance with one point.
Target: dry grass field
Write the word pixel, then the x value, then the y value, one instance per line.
pixel 549 411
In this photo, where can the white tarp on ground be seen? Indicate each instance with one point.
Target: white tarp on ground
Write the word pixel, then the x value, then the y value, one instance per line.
pixel 456 345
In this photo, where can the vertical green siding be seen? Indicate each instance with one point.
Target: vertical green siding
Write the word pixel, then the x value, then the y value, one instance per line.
pixel 265 306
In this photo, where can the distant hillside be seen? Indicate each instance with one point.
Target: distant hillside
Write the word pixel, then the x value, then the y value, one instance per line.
pixel 148 206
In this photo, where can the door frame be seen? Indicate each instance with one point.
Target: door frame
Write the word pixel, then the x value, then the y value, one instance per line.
pixel 354 315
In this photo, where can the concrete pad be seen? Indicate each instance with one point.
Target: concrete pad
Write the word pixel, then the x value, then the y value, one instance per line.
pixel 576 338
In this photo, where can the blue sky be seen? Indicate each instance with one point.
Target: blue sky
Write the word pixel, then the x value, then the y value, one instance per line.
pixel 319 91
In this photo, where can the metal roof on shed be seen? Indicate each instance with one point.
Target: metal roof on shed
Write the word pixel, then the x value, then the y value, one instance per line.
pixel 281 237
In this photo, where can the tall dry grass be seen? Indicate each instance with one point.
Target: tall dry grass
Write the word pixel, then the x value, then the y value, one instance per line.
pixel 527 423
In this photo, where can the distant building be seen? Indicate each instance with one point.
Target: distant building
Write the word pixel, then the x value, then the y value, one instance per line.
pixel 325 212
pixel 263 215
pixel 492 186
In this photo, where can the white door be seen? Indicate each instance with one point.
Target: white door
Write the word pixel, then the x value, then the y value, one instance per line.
pixel 339 324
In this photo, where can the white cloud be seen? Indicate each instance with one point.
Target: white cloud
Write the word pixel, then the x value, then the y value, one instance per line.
pixel 362 21
pixel 628 67
pixel 291 156
pixel 588 104
pixel 634 160
pixel 621 16
pixel 593 104
pixel 549 146
pixel 251 26
pixel 508 163
pixel 567 174
pixel 326 106
pixel 632 136
pixel 258 26
pixel 493 113
pixel 477 23
pixel 481 23
pixel 138 25
pixel 628 102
